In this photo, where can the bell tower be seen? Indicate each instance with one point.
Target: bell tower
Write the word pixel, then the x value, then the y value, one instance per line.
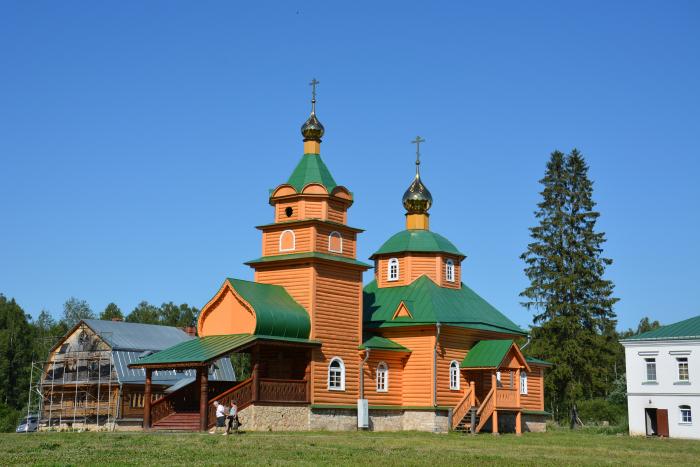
pixel 310 250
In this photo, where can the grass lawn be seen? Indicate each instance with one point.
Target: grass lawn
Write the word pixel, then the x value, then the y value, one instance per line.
pixel 407 448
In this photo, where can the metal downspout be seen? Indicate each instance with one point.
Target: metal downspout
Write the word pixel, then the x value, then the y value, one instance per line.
pixel 529 338
pixel 362 374
pixel 437 341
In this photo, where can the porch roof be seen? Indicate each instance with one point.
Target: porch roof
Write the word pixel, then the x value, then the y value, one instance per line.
pixel 382 343
pixel 203 350
pixel 491 353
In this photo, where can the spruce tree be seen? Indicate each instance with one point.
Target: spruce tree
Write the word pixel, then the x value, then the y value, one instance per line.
pixel 574 321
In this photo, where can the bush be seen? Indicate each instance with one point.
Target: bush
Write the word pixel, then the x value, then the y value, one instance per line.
pixel 9 418
pixel 601 410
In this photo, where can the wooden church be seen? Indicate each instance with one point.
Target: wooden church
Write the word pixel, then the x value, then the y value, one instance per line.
pixel 415 349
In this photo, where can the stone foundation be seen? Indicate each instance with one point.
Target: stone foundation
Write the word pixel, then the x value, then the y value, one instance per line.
pixel 275 418
pixel 534 423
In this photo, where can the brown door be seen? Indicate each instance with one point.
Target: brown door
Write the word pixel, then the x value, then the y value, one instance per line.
pixel 662 422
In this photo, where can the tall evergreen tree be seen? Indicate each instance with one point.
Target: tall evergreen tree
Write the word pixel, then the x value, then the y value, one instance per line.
pixel 112 311
pixel 144 313
pixel 574 321
pixel 15 353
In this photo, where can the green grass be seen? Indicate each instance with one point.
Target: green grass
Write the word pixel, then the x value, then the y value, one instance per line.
pixel 559 447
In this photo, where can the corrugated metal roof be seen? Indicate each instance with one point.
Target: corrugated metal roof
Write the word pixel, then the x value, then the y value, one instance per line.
pixel 686 329
pixel 538 361
pixel 310 254
pixel 222 370
pixel 487 354
pixel 311 169
pixel 382 343
pixel 418 241
pixel 136 336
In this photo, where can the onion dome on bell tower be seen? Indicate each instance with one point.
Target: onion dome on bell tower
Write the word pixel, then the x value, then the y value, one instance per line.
pixel 417 198
pixel 312 130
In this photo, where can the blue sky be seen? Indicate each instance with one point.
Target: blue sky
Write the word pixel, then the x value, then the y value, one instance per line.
pixel 138 139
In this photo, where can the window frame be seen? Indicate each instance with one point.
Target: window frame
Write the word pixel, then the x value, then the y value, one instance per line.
pixel 684 410
pixel 650 362
pixel 382 369
pixel 294 240
pixel 335 233
pixel 389 275
pixel 523 382
pixel 683 361
pixel 450 270
pixel 454 376
pixel 341 376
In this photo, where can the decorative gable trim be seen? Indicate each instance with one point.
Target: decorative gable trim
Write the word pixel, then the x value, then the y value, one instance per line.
pixel 402 311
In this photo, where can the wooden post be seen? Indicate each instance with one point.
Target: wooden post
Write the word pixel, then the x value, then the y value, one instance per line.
pixel 203 374
pixel 255 355
pixel 494 418
pixel 307 375
pixel 472 398
pixel 518 428
pixel 494 422
pixel 517 387
pixel 147 401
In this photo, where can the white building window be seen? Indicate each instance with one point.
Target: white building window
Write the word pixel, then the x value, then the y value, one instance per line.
pixel 454 375
pixel 336 375
pixel 523 382
pixel 382 377
pixel 393 269
pixel 287 241
pixel 651 368
pixel 686 414
pixel 449 270
pixel 683 374
pixel 335 242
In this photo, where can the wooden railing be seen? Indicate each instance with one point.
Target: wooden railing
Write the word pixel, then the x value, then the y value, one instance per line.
pixel 463 406
pixel 282 390
pixel 486 409
pixel 506 398
pixel 242 394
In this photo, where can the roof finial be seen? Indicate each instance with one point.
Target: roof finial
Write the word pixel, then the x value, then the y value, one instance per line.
pixel 313 84
pixel 312 130
pixel 417 142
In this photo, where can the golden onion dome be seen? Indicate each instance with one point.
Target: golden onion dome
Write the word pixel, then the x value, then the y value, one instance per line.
pixel 312 129
pixel 417 199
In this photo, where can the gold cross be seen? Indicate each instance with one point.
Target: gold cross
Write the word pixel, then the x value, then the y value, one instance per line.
pixel 417 142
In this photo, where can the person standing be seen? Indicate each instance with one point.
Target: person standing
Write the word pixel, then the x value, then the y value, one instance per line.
pixel 232 418
pixel 220 417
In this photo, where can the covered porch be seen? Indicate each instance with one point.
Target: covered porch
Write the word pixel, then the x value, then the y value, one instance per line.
pixel 279 374
pixel 492 370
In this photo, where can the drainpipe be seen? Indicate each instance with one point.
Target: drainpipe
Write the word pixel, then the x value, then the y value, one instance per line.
pixel 437 340
pixel 529 338
pixel 362 374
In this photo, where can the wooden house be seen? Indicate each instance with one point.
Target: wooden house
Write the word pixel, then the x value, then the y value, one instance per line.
pixel 415 349
pixel 86 382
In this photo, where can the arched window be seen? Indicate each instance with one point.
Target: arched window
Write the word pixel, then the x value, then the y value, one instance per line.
pixel 382 377
pixel 454 375
pixel 523 382
pixel 686 414
pixel 336 375
pixel 393 269
pixel 449 270
pixel 287 241
pixel 335 242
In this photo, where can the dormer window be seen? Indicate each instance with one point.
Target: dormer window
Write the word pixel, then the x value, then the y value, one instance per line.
pixel 450 270
pixel 335 242
pixel 287 241
pixel 393 269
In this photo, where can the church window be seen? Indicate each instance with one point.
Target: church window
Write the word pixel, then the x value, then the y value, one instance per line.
pixel 336 375
pixel 683 374
pixel 651 368
pixel 454 375
pixel 335 242
pixel 523 382
pixel 382 377
pixel 289 211
pixel 287 240
pixel 393 272
pixel 450 270
pixel 686 414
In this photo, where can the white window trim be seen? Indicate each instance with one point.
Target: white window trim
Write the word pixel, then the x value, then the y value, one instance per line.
pixel 383 367
pixel 678 370
pixel 294 241
pixel 454 366
pixel 680 414
pixel 449 270
pixel 646 370
pixel 340 237
pixel 342 374
pixel 523 379
pixel 391 262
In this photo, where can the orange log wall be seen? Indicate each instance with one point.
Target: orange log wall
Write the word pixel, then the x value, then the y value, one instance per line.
pixel 534 399
pixel 414 265
pixel 417 383
pixel 395 362
pixel 297 280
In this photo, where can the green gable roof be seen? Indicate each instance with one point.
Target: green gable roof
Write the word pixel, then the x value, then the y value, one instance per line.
pixel 276 312
pixel 310 254
pixel 209 348
pixel 311 169
pixel 382 343
pixel 538 361
pixel 686 329
pixel 429 304
pixel 417 241
pixel 487 354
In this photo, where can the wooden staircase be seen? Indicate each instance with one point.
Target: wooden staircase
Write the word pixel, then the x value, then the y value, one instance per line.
pixel 465 424
pixel 178 421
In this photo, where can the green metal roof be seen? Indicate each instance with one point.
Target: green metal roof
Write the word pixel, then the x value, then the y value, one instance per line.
pixel 417 241
pixel 310 254
pixel 382 343
pixel 276 312
pixel 430 304
pixel 209 348
pixel 538 361
pixel 686 329
pixel 311 169
pixel 487 354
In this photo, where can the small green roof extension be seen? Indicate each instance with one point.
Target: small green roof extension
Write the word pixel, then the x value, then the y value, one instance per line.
pixel 417 241
pixel 429 303
pixel 487 354
pixel 276 312
pixel 307 255
pixel 686 329
pixel 311 169
pixel 382 343
pixel 538 361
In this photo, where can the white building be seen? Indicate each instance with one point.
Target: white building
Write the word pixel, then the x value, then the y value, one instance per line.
pixel 663 380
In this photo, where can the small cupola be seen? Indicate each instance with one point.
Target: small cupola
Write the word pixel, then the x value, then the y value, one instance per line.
pixel 312 130
pixel 417 199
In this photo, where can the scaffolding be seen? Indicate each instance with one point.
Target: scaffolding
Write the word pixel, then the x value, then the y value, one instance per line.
pixel 77 387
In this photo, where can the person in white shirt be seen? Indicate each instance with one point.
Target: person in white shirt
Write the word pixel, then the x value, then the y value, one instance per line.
pixel 220 417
